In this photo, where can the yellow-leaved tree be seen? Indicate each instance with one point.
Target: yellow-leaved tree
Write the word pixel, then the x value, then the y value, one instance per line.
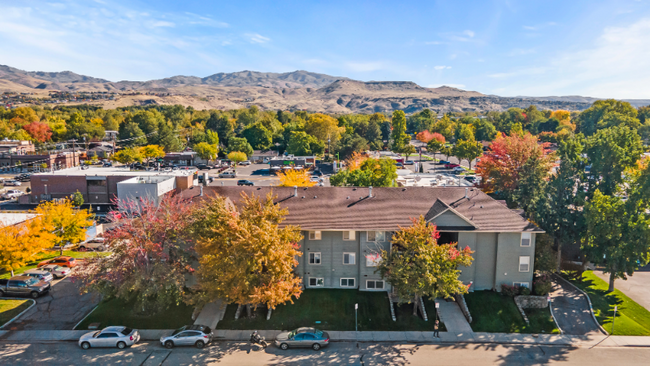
pixel 292 177
pixel 245 257
pixel 152 152
pixel 21 242
pixel 68 223
pixel 237 157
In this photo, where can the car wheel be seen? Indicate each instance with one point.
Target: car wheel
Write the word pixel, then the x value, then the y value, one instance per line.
pixel 85 345
pixel 169 344
pixel 199 344
pixel 2 293
pixel 82 248
pixel 121 345
pixel 315 346
pixel 102 248
pixel 284 346
pixel 34 294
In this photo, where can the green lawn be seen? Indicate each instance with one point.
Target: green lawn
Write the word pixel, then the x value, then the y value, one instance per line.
pixel 631 318
pixel 333 310
pixel 48 255
pixel 495 313
pixel 10 308
pixel 118 312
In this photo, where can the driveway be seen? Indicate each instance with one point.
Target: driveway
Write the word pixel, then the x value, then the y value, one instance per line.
pixel 61 309
pixel 571 309
pixel 637 286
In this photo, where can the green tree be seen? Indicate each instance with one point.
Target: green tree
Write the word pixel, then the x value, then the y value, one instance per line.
pixel 128 155
pixel 258 136
pixel 399 136
pixel 417 266
pixel 324 127
pixel 132 133
pixel 166 138
pixel 150 152
pixel 302 144
pixel 212 137
pixel 484 130
pixel 350 144
pixel 252 265
pixel 371 173
pixel 240 144
pixel 607 113
pixel 611 151
pixel 206 151
pixel 77 199
pixel 467 149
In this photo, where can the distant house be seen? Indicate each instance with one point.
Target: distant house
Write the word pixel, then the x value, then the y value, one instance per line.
pixel 345 228
pixel 259 156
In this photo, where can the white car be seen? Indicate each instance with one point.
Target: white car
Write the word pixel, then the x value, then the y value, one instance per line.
pixel 459 169
pixel 12 193
pixel 11 182
pixel 56 271
pixel 228 175
pixel 116 336
pixel 245 163
pixel 94 244
pixel 40 274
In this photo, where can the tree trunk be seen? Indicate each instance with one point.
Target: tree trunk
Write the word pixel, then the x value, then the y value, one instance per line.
pixel 415 305
pixel 559 254
pixel 12 273
pixel 249 311
pixel 612 277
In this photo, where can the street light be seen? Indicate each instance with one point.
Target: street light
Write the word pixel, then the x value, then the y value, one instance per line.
pixel 277 146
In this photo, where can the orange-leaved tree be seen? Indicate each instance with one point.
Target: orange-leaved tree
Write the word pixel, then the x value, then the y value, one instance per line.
pixel 245 257
pixel 355 160
pixel 68 223
pixel 292 177
pixel 436 143
pixel 512 161
pixel 424 136
pixel 21 242
pixel 417 266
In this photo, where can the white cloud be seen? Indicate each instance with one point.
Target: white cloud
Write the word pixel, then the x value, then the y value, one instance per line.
pixel 257 38
pixel 163 23
pixel 442 67
pixel 469 33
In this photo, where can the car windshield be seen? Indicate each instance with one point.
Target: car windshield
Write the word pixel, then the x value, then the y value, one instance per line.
pixel 127 331
pixel 292 333
pixel 71 259
pixel 31 282
pixel 179 330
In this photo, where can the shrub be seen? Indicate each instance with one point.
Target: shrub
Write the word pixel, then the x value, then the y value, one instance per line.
pixel 510 291
pixel 542 284
pixel 525 291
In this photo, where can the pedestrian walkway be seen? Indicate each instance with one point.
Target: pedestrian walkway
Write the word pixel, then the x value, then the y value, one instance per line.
pixel 211 314
pixel 454 320
pixel 571 309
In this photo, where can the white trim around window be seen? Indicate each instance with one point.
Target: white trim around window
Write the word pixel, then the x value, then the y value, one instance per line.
pixel 316 282
pixel 524 263
pixel 521 284
pixel 315 258
pixel 348 282
pixel 526 240
pixel 375 285
pixel 375 236
pixel 349 235
pixel 373 260
pixel 349 258
pixel 314 235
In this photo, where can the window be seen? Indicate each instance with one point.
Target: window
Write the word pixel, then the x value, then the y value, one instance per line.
pixel 376 236
pixel 314 235
pixel 521 284
pixel 349 258
pixel 374 285
pixel 96 183
pixel 314 257
pixel 347 282
pixel 316 282
pixel 525 239
pixel 348 235
pixel 373 260
pixel 524 264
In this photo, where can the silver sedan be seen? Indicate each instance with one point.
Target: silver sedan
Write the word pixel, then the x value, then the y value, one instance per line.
pixel 116 336
pixel 190 335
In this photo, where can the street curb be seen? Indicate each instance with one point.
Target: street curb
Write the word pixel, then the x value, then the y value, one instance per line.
pixel 21 313
pixel 591 308
pixel 84 318
pixel 550 308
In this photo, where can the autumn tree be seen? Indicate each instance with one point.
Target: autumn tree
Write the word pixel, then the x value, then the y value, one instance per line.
pixel 151 255
pixel 398 135
pixel 21 242
pixel 467 149
pixel 39 131
pixel 417 266
pixel 246 258
pixel 509 161
pixel 292 178
pixel 371 173
pixel 436 143
pixel 206 151
pixel 128 155
pixel 324 127
pixel 236 157
pixel 150 152
pixel 424 136
pixel 240 144
pixel 69 223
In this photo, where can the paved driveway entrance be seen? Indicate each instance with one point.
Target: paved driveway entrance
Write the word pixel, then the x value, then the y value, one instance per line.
pixel 637 286
pixel 571 309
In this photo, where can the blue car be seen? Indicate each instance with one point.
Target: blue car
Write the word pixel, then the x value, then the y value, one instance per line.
pixel 443 162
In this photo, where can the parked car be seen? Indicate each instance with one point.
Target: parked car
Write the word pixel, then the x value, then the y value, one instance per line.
pixel 317 172
pixel 409 162
pixel 470 178
pixel 244 182
pixel 94 244
pixel 303 337
pixel 12 182
pixel 245 163
pixel 459 169
pixel 56 271
pixel 63 261
pixel 115 336
pixel 444 162
pixel 23 286
pixel 39 274
pixel 107 164
pixel 12 193
pixel 210 179
pixel 189 335
pixel 314 178
pixel 227 175
pixel 203 167
pixel 399 165
pixel 451 166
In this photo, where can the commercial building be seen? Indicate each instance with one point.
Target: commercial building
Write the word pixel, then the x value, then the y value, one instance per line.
pixel 35 162
pixel 346 228
pixel 16 147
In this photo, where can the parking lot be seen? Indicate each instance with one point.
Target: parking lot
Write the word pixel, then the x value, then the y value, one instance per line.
pixel 60 309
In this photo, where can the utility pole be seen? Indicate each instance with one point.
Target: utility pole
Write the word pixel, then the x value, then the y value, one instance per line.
pixel 74 153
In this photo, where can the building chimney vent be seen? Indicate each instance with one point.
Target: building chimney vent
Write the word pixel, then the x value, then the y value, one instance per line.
pixel 370 192
pixel 201 194
pixel 295 191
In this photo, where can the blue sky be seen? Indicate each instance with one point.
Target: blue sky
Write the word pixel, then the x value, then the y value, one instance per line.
pixel 509 48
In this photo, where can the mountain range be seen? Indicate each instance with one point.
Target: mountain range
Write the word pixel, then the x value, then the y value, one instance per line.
pixel 289 91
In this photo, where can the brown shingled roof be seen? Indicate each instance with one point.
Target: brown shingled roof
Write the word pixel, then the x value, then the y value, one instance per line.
pixel 349 208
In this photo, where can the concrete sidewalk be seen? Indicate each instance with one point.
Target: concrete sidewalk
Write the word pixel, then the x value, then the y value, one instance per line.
pixel 588 341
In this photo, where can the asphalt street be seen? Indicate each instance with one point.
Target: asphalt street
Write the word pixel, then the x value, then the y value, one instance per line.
pixel 343 353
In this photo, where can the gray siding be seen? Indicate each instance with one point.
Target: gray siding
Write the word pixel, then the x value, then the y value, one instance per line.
pixel 450 219
pixel 368 248
pixel 469 240
pixel 509 250
pixel 485 259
